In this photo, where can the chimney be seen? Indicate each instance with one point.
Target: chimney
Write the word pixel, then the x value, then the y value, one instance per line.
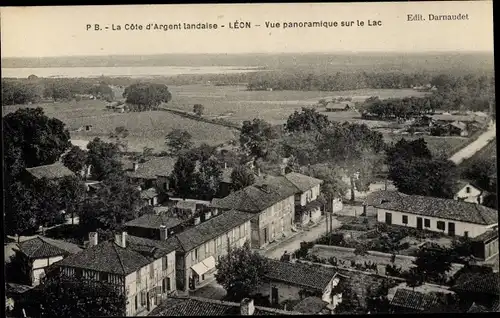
pixel 258 172
pixel 197 220
pixel 136 166
pixel 208 215
pixel 215 212
pixel 225 165
pixel 121 239
pixel 93 239
pixel 246 307
pixel 163 233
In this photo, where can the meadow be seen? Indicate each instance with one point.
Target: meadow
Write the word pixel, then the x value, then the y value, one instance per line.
pixel 233 103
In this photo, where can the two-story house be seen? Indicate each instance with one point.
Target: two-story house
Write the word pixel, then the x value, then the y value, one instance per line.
pixel 153 177
pixel 145 275
pixel 38 253
pixel 272 200
pixel 198 248
pixel 149 225
pixel 307 206
pixel 469 192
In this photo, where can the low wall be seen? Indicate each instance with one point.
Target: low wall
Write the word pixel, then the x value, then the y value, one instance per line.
pixel 219 122
pixel 374 253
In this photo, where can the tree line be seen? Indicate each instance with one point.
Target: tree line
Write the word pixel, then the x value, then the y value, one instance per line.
pixel 34 90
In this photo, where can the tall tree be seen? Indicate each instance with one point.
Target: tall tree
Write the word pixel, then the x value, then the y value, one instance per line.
pixel 433 261
pixel 428 177
pixel 207 179
pixel 30 139
pixel 255 137
pixel 20 214
pixel 75 159
pixel 116 202
pixel 307 120
pixel 178 140
pixel 241 271
pixel 333 186
pixel 407 150
pixel 183 175
pixel 104 158
pixel 77 297
pixel 350 303
pixel 480 172
pixel 146 96
pixel 241 177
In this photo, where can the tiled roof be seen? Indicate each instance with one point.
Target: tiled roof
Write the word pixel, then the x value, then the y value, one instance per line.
pixel 42 247
pixel 376 198
pixel 443 117
pixel 485 283
pixel 257 197
pixel 149 247
pixel 154 221
pixel 310 305
pixel 407 298
pixel 54 171
pixel 196 306
pixel 443 208
pixel 148 194
pixel 12 288
pixel 107 257
pixel 210 229
pixel 477 308
pixel 302 182
pixel 300 274
pixel 486 236
pixel 151 169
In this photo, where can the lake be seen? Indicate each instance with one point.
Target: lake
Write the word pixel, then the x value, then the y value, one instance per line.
pixel 121 71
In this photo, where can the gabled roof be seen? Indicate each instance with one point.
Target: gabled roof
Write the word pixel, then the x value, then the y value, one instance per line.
pixel 154 221
pixel 377 197
pixel 153 168
pixel 443 208
pixel 107 257
pixel 302 182
pixel 460 184
pixel 310 305
pixel 43 247
pixel 300 274
pixel 149 247
pixel 54 171
pixel 148 194
pixel 407 298
pixel 209 230
pixel 259 196
pixel 484 283
pixel 197 306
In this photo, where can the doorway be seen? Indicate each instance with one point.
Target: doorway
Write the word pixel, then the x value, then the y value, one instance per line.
pixel 451 229
pixel 419 223
pixel 388 218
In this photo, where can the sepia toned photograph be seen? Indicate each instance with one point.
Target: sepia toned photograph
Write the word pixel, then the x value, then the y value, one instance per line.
pixel 249 159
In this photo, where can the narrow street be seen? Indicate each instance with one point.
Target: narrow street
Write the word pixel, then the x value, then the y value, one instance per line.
pixel 293 243
pixel 469 150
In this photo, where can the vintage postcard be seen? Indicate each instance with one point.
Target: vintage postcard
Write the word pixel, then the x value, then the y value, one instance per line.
pixel 249 159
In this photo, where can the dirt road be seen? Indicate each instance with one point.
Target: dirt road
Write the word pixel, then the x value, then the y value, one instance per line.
pixel 475 146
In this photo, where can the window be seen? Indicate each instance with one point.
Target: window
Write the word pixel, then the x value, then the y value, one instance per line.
pixel 405 219
pixel 196 255
pixel 467 189
pixel 466 234
pixel 427 222
pixel 136 303
pixel 164 263
pixel 143 298
pixel 138 273
pixel 440 225
pixel 206 248
pixel 168 283
pixel 103 277
pixel 151 271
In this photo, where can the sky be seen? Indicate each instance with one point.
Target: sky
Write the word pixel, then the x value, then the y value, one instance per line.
pixel 61 31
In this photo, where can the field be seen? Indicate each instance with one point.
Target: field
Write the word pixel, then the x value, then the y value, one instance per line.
pixel 439 146
pixel 147 129
pixel 234 103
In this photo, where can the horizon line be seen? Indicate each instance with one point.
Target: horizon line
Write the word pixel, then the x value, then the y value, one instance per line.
pixel 259 53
